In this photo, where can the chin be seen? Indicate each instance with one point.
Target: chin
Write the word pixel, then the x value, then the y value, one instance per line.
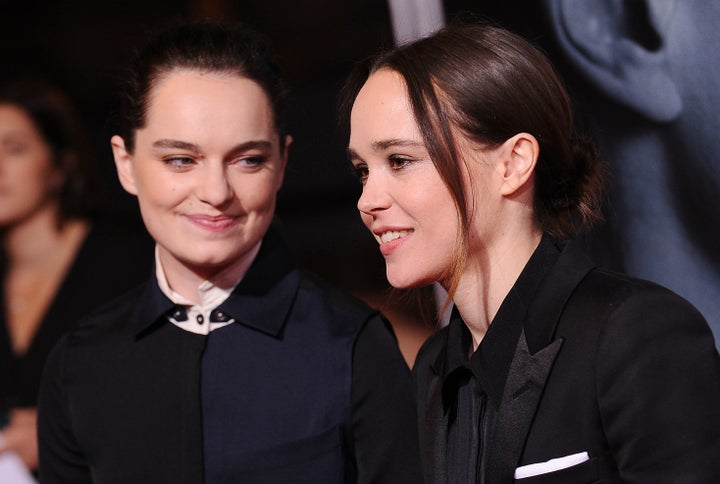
pixel 404 281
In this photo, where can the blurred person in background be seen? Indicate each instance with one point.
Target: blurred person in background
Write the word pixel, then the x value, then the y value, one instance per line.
pixel 58 258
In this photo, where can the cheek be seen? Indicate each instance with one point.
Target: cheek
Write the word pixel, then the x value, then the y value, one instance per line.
pixel 257 195
pixel 366 219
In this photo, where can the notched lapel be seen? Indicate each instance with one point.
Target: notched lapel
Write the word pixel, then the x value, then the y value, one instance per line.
pixel 521 396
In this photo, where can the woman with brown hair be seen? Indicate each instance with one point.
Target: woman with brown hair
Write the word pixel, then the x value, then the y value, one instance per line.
pixel 58 257
pixel 551 369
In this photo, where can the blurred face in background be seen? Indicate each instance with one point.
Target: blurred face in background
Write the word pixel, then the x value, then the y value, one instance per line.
pixel 29 178
pixel 206 169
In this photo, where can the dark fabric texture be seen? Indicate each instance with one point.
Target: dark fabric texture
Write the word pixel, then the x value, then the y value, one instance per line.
pixel 600 362
pixel 110 261
pixel 307 385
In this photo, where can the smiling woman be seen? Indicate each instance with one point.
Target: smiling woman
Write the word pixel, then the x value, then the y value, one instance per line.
pixel 206 168
pixel 550 369
pixel 230 364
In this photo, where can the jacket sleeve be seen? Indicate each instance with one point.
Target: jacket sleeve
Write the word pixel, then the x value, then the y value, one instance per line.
pixel 384 413
pixel 658 383
pixel 61 459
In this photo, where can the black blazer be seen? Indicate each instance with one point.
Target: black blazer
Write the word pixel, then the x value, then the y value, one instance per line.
pixel 113 259
pixel 307 385
pixel 620 368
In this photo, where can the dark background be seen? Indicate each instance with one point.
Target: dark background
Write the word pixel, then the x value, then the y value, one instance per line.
pixel 83 46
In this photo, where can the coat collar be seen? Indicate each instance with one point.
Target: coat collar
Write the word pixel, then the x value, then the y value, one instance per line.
pixel 261 300
pixel 520 349
pixel 491 362
pixel 533 357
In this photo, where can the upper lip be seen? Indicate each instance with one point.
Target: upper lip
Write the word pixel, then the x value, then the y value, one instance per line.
pixel 211 217
pixel 381 230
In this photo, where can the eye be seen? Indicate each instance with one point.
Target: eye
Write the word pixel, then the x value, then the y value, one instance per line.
pixel 179 162
pixel 15 148
pixel 398 162
pixel 252 161
pixel 361 172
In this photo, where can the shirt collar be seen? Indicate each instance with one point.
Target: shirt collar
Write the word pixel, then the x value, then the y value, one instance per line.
pixel 261 300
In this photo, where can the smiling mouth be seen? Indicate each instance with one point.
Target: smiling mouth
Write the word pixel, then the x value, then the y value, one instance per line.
pixel 391 235
pixel 213 223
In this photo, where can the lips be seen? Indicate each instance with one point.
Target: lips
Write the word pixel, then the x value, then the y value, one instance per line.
pixel 213 223
pixel 391 239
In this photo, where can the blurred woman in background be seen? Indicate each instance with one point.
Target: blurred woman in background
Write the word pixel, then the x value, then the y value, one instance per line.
pixel 57 259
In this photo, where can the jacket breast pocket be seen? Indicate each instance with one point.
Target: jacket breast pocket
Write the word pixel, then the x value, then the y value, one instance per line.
pixel 315 459
pixel 587 472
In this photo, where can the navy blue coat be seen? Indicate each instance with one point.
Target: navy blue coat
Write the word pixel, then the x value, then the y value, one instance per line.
pixel 307 386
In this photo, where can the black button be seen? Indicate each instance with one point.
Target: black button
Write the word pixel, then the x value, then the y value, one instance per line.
pixel 178 314
pixel 218 316
pixel 200 319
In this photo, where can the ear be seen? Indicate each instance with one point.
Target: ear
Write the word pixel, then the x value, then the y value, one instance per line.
pixel 123 164
pixel 284 159
pixel 519 156
pixel 619 47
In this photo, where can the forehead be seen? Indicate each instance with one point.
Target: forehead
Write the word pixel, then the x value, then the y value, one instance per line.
pixel 189 100
pixel 382 109
pixel 13 117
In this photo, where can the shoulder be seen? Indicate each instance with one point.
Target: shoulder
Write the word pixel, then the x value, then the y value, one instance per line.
pixel 619 297
pixel 325 300
pixel 113 318
pixel 430 353
pixel 631 322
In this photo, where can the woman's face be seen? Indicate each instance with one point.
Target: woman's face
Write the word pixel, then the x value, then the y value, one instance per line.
pixel 404 202
pixel 28 176
pixel 206 169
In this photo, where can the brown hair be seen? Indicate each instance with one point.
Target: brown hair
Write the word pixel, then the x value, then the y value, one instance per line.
pixel 492 84
pixel 59 125
pixel 209 46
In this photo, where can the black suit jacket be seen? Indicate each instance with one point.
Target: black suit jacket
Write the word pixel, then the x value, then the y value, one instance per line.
pixel 622 369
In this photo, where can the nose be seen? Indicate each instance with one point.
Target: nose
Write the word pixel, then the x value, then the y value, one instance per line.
pixel 375 196
pixel 214 187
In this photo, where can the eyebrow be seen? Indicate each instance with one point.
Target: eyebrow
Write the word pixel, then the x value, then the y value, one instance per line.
pixel 390 143
pixel 184 145
pixel 382 145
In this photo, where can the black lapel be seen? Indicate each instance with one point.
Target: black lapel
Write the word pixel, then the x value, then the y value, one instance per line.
pixel 523 389
pixel 532 362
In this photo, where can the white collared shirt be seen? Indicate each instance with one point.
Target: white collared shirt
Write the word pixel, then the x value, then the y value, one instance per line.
pixel 203 318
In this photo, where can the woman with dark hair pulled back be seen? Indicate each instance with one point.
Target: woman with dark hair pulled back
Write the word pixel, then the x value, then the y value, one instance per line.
pixel 550 369
pixel 230 364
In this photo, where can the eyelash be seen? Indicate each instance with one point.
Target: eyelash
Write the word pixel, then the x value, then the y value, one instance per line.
pixel 252 160
pixel 180 162
pixel 396 164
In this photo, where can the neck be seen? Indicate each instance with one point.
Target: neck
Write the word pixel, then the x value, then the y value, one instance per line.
pixel 185 279
pixel 34 240
pixel 489 275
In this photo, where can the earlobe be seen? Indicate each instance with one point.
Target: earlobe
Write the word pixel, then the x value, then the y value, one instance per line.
pixel 123 164
pixel 619 48
pixel 519 157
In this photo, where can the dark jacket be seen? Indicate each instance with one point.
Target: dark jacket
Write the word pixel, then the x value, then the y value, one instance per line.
pixel 584 360
pixel 112 259
pixel 307 385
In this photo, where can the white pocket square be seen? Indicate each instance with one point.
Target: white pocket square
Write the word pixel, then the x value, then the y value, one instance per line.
pixel 552 465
